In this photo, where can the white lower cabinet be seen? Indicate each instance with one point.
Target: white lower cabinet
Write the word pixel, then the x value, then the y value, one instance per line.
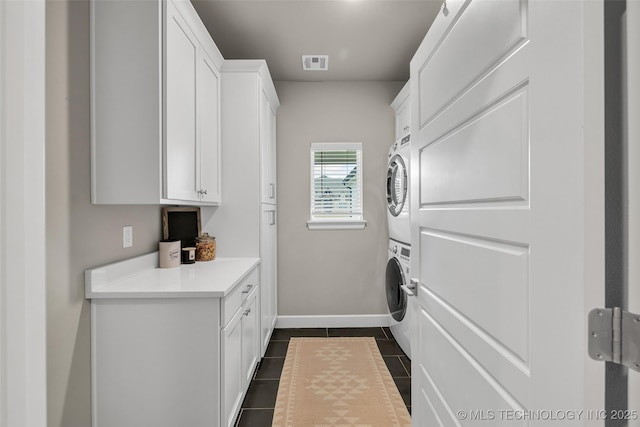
pixel 231 370
pixel 250 343
pixel 174 361
pixel 240 356
pixel 155 362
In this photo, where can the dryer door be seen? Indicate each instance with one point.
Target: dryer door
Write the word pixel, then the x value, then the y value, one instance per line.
pixel 396 298
pixel 396 185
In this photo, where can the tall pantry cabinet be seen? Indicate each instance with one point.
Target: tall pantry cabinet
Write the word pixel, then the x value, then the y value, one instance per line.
pixel 246 224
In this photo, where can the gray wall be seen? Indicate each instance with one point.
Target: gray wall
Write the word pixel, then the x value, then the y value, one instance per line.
pixel 332 272
pixel 79 235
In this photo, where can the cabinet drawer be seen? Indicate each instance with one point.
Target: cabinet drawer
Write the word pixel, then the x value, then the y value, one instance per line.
pixel 234 300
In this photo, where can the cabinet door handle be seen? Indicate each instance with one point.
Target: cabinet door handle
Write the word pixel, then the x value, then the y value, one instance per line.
pixel 272 190
pixel 247 311
pixel 248 289
pixel 272 217
pixel 204 192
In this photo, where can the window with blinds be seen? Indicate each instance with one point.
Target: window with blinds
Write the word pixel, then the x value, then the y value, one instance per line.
pixel 336 185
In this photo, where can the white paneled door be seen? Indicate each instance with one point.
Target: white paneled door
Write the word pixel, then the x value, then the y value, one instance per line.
pixel 507 213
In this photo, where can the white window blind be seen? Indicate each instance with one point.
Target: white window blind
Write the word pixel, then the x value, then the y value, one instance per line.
pixel 336 185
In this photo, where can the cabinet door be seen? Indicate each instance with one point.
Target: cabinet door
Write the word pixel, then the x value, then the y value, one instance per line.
pixel 232 374
pixel 181 144
pixel 250 340
pixel 209 125
pixel 273 150
pixel 267 150
pixel 268 285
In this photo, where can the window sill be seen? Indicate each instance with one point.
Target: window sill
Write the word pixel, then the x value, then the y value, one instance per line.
pixel 333 224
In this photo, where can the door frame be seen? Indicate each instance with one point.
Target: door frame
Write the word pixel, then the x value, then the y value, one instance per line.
pixel 633 191
pixel 23 391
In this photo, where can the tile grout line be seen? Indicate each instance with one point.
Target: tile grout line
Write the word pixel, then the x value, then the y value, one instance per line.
pixel 404 366
pixel 237 423
pixel 257 409
pixel 385 333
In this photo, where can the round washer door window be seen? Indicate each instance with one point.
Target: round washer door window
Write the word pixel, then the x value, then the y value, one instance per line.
pixel 396 185
pixel 396 298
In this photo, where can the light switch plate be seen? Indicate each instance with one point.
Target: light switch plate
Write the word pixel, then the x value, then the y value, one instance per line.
pixel 127 236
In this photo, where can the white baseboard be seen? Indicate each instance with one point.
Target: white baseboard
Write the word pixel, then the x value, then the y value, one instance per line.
pixel 338 321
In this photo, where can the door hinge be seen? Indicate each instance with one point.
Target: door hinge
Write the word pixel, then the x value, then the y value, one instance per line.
pixel 614 336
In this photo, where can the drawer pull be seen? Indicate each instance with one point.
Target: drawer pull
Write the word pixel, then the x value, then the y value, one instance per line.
pixel 246 291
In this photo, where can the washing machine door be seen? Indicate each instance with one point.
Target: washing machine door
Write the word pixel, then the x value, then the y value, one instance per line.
pixel 396 185
pixel 396 298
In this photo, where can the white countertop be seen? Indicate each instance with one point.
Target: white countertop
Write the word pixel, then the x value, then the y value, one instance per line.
pixel 141 278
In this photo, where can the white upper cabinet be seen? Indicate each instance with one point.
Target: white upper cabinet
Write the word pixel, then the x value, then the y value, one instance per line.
pixel 181 160
pixel 191 123
pixel 155 105
pixel 209 107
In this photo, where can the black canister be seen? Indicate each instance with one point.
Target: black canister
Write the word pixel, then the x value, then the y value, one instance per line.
pixel 189 255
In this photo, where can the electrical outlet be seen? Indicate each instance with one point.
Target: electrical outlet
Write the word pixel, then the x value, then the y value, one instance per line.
pixel 127 236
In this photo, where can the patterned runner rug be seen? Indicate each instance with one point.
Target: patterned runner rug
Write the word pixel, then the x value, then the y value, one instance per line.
pixel 337 382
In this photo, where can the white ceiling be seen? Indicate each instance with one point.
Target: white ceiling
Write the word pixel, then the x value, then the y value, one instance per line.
pixel 365 39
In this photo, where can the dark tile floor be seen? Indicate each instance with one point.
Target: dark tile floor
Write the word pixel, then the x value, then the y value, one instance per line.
pixel 258 405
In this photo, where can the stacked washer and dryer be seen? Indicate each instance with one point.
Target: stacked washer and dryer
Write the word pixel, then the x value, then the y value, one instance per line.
pixel 402 305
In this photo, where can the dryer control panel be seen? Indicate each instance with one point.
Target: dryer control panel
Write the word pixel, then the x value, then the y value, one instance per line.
pixel 400 251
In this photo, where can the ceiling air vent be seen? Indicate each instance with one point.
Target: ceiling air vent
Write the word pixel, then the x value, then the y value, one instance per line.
pixel 315 62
